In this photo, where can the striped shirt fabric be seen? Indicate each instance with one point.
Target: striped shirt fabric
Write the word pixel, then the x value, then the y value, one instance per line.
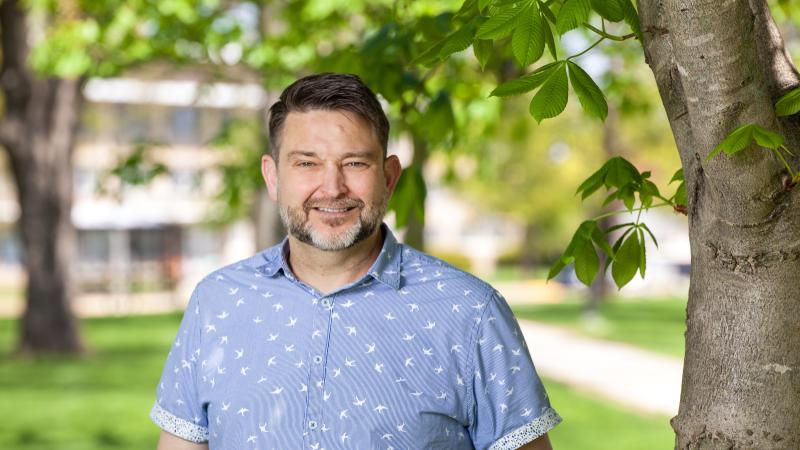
pixel 414 355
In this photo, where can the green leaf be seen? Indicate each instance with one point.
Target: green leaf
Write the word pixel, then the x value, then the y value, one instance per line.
pixel 587 262
pixel 409 197
pixel 620 172
pixel 527 82
pixel 458 40
pixel 678 176
pixel 599 238
pixel 680 194
pixel 502 23
pixel 611 10
pixel 482 4
pixel 572 14
pixel 555 269
pixel 743 136
pixel 547 13
pixel 611 197
pixel 652 236
pixel 548 38
pixel 647 191
pixel 468 7
pixel 527 42
pixel 552 98
pixel 593 183
pixel 430 56
pixel 626 194
pixel 766 138
pixel 617 227
pixel 618 243
pixel 789 103
pixel 590 96
pixel 737 140
pixel 627 261
pixel 632 19
pixel 482 48
pixel 642 253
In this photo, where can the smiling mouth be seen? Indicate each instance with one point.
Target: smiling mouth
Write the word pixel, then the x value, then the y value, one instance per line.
pixel 334 210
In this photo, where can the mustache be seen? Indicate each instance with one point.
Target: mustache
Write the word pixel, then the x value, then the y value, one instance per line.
pixel 335 203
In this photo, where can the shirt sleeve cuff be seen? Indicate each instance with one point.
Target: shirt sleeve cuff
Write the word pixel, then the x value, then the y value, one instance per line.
pixel 528 432
pixel 173 424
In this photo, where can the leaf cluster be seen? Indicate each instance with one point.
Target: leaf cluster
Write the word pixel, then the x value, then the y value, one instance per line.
pixel 532 26
pixel 627 255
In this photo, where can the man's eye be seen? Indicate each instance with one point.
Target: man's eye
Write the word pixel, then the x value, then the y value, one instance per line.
pixel 305 164
pixel 357 164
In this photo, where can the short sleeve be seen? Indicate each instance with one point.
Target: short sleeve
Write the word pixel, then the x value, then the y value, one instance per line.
pixel 178 409
pixel 511 407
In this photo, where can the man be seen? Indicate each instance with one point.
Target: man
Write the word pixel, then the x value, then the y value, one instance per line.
pixel 340 337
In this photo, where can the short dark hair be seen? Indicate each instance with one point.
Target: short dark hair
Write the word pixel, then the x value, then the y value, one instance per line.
pixel 328 91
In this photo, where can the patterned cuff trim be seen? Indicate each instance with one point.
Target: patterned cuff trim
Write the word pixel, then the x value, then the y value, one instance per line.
pixel 528 432
pixel 177 426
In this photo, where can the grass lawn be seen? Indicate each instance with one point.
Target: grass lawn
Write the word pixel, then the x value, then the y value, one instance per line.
pixel 656 325
pixel 101 401
pixel 591 424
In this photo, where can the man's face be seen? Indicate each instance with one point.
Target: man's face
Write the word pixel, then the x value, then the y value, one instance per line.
pixel 331 181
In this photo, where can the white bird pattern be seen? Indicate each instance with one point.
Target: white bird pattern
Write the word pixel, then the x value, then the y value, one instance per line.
pixel 429 366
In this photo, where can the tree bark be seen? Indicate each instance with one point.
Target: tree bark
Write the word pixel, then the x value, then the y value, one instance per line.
pixel 38 131
pixel 415 228
pixel 719 66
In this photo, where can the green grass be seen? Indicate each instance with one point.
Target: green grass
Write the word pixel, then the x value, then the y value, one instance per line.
pixel 590 424
pixel 656 325
pixel 102 400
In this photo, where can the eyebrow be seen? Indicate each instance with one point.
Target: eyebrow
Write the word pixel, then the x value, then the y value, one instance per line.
pixel 353 154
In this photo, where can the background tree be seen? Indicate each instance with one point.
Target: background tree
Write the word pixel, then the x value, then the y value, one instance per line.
pixel 41 84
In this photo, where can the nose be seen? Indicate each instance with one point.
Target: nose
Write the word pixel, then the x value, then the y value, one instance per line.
pixel 333 181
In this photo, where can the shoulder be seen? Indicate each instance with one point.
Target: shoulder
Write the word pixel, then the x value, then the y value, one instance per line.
pixel 419 268
pixel 233 277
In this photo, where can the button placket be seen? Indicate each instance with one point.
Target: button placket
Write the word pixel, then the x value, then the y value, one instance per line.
pixel 317 353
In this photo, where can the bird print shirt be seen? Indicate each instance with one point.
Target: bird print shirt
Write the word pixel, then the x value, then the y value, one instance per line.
pixel 414 355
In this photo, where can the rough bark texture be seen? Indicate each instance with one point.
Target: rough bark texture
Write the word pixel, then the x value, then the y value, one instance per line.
pixel 37 131
pixel 719 65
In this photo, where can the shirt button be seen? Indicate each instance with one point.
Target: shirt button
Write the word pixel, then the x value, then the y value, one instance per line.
pixel 326 302
pixel 318 359
pixel 312 425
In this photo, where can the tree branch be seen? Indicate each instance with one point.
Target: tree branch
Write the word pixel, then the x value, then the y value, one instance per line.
pixel 779 72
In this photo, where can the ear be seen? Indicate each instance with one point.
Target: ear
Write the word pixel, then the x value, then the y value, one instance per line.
pixel 269 170
pixel 392 170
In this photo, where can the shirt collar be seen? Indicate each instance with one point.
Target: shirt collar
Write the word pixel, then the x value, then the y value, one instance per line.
pixel 385 269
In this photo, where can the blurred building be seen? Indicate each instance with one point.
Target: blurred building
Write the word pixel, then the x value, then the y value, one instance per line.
pixel 149 237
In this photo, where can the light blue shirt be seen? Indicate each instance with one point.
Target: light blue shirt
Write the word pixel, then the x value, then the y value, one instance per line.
pixel 415 355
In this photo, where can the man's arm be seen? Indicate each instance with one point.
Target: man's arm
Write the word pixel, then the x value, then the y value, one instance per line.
pixel 540 443
pixel 171 442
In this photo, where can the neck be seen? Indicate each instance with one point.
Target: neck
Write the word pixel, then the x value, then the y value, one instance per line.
pixel 327 271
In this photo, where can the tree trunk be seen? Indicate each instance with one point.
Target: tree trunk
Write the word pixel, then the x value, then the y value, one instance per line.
pixel 38 131
pixel 717 67
pixel 415 228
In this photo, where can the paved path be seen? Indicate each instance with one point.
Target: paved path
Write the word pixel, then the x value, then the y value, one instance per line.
pixel 633 378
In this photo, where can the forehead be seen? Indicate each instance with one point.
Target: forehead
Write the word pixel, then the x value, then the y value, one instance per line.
pixel 328 131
